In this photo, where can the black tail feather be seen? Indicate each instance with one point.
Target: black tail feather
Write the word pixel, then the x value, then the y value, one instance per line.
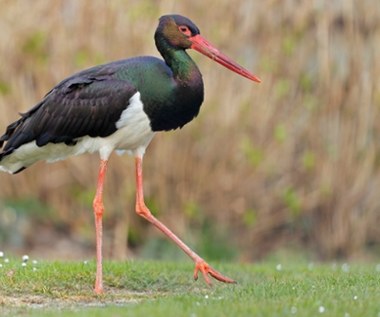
pixel 9 131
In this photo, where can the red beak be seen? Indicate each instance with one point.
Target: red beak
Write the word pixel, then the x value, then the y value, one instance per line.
pixel 206 48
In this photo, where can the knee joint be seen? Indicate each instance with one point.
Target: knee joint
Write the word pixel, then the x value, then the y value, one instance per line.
pixel 98 208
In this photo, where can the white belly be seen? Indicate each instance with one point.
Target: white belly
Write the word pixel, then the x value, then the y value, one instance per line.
pixel 133 135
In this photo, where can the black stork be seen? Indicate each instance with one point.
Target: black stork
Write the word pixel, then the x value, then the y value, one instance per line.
pixel 119 106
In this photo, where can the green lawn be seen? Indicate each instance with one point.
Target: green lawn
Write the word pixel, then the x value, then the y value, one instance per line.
pixel 147 288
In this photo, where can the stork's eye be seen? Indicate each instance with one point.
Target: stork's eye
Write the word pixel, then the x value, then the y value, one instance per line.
pixel 185 30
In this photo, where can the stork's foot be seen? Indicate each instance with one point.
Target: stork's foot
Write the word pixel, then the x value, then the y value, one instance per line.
pixel 98 289
pixel 207 270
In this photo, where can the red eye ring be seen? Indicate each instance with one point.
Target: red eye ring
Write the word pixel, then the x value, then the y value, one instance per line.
pixel 184 30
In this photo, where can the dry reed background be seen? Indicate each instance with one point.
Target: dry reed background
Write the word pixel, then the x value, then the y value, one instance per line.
pixel 292 162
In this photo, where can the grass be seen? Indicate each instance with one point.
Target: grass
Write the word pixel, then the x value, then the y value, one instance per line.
pixel 147 288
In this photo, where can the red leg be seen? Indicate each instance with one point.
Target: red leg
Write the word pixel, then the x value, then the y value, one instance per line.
pixel 143 211
pixel 98 212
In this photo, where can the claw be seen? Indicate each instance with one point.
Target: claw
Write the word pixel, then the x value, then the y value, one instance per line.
pixel 207 270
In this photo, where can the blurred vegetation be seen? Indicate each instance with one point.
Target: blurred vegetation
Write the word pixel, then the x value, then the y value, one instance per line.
pixel 290 163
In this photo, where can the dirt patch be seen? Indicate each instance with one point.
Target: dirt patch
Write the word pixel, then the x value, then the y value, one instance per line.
pixel 118 297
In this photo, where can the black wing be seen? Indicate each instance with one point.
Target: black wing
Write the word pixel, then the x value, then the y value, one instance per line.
pixel 89 103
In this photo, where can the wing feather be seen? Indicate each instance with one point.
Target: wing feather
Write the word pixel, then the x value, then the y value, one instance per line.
pixel 89 103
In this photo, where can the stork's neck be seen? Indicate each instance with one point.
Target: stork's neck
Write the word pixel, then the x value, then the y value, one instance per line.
pixel 184 69
pixel 182 90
